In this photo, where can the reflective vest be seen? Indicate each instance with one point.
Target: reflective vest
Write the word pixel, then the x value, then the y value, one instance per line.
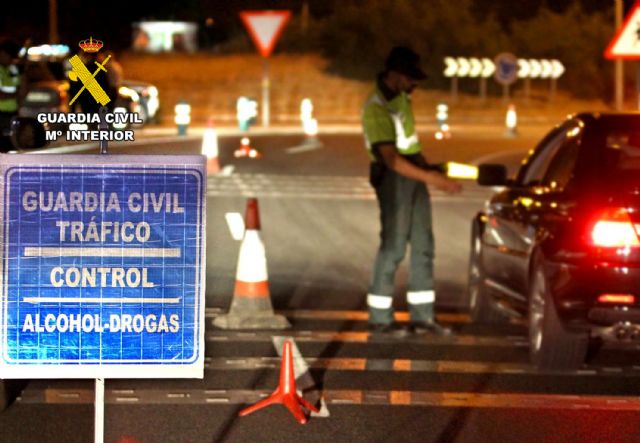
pixel 9 81
pixel 390 121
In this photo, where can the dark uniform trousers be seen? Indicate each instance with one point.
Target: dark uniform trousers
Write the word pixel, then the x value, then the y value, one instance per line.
pixel 405 216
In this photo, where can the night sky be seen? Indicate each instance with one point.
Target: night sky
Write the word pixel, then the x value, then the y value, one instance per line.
pixel 111 19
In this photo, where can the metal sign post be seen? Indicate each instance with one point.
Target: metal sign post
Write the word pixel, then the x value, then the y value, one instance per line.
pixel 265 93
pixel 488 68
pixel 265 28
pixel 624 46
pixel 98 406
pixel 637 85
pixel 98 430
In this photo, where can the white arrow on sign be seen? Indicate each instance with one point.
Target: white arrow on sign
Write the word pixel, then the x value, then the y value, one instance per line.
pixel 524 68
pixel 452 67
pixel 476 67
pixel 536 68
pixel 463 67
pixel 557 69
pixel 547 68
pixel 488 68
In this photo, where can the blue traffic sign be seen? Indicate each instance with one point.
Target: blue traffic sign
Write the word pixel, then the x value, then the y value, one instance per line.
pixel 506 68
pixel 102 266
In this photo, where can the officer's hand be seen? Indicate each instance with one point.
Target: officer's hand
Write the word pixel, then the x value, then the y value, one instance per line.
pixel 448 185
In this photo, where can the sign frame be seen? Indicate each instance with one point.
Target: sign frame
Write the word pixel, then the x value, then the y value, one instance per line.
pixel 609 51
pixel 193 167
pixel 265 47
pixel 511 58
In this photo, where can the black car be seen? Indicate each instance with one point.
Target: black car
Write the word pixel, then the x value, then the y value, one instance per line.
pixel 559 245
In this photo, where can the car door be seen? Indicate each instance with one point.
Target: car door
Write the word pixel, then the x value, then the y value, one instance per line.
pixel 511 230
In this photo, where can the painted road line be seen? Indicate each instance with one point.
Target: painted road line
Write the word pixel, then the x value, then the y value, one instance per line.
pixel 403 316
pixel 406 365
pixel 366 337
pixel 305 147
pixel 344 397
pixel 372 364
pixel 320 314
pixel 311 183
pixel 227 171
pixel 325 196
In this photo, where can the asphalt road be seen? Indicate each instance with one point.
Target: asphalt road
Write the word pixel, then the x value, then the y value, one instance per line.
pixel 320 227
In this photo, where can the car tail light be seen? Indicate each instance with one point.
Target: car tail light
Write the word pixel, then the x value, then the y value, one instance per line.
pixel 624 299
pixel 614 229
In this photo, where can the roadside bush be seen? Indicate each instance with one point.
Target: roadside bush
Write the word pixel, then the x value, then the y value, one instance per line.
pixel 358 35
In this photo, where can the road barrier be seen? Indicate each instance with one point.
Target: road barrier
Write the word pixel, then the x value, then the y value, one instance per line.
pixel 251 305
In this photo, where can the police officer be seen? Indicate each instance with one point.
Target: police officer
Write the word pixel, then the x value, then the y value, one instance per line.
pixel 9 83
pixel 401 176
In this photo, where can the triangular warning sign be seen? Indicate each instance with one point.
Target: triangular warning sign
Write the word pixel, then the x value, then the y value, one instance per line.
pixel 626 43
pixel 265 28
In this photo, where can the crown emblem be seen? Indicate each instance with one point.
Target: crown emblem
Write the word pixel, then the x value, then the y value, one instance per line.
pixel 91 45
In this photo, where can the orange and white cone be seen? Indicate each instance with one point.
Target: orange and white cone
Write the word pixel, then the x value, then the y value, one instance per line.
pixel 210 148
pixel 251 305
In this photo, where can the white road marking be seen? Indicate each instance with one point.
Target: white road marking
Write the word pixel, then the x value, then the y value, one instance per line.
pixel 235 222
pixel 318 187
pixel 310 145
pixel 227 170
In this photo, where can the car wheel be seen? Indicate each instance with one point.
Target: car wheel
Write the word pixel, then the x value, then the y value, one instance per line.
pixel 480 306
pixel 551 346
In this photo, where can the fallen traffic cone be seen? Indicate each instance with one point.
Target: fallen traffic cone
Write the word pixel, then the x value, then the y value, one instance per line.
pixel 210 148
pixel 286 393
pixel 251 305
pixel 245 149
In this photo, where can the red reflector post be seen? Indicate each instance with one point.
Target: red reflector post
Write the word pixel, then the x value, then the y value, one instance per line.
pixel 624 299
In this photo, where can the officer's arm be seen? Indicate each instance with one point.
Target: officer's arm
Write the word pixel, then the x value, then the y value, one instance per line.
pixel 399 164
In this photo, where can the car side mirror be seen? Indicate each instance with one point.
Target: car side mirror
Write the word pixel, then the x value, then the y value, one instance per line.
pixel 27 133
pixel 492 175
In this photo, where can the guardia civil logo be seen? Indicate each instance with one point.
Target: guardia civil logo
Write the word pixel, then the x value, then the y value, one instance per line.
pixel 113 121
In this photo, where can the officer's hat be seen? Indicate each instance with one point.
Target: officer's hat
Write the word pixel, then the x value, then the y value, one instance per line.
pixel 405 61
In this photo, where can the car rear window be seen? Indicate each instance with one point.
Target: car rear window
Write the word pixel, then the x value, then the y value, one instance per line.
pixel 623 151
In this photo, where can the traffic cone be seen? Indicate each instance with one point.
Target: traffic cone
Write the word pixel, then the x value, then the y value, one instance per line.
pixel 251 305
pixel 286 393
pixel 210 148
pixel 245 149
